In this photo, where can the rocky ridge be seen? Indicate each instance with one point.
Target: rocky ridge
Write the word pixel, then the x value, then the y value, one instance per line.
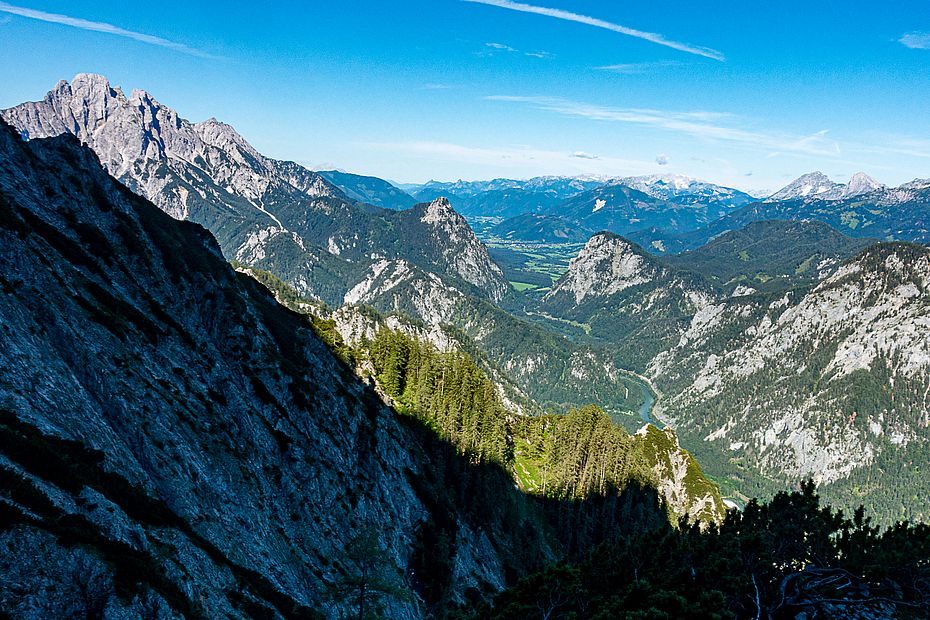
pixel 275 214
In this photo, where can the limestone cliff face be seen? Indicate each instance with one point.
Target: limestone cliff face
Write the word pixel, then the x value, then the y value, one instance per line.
pixel 173 439
pixel 819 381
pixel 607 265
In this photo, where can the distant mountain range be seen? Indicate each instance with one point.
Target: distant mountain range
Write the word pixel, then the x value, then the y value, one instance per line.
pixel 685 190
pixel 888 213
pixel 508 198
pixel 668 214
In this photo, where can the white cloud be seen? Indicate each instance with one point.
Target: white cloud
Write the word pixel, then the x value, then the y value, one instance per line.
pixel 501 46
pixel 916 40
pixel 583 155
pixel 83 24
pixel 662 160
pixel 700 124
pixel 512 50
pixel 652 37
pixel 638 67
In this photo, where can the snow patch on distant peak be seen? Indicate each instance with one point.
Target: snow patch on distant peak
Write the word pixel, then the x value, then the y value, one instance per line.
pixel 820 186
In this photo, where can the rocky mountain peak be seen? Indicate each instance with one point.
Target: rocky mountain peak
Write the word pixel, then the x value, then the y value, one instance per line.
pixel 183 168
pixel 861 183
pixel 606 265
pixel 439 210
pixel 460 249
pixel 806 186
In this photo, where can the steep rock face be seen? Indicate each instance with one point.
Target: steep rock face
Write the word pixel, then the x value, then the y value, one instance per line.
pixel 677 475
pixel 165 415
pixel 606 265
pixel 616 292
pixel 275 214
pixel 399 286
pixel 822 382
pixel 460 253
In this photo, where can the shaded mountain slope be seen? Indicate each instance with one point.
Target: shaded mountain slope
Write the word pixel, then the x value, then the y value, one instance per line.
pixel 370 190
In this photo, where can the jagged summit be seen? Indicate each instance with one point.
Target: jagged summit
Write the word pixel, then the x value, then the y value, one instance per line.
pixel 438 209
pixel 807 185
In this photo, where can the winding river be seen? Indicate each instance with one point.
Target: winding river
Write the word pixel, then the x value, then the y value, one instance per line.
pixel 649 401
pixel 650 398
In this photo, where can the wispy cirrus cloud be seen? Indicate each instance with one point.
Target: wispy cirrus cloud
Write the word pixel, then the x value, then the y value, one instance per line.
pixel 500 47
pixel 84 24
pixel 652 37
pixel 916 40
pixel 635 68
pixel 700 124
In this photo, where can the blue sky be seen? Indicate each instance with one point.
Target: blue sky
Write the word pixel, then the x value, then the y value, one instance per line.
pixel 747 94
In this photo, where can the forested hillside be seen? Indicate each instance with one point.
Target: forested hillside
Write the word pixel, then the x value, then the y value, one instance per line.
pixel 572 457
